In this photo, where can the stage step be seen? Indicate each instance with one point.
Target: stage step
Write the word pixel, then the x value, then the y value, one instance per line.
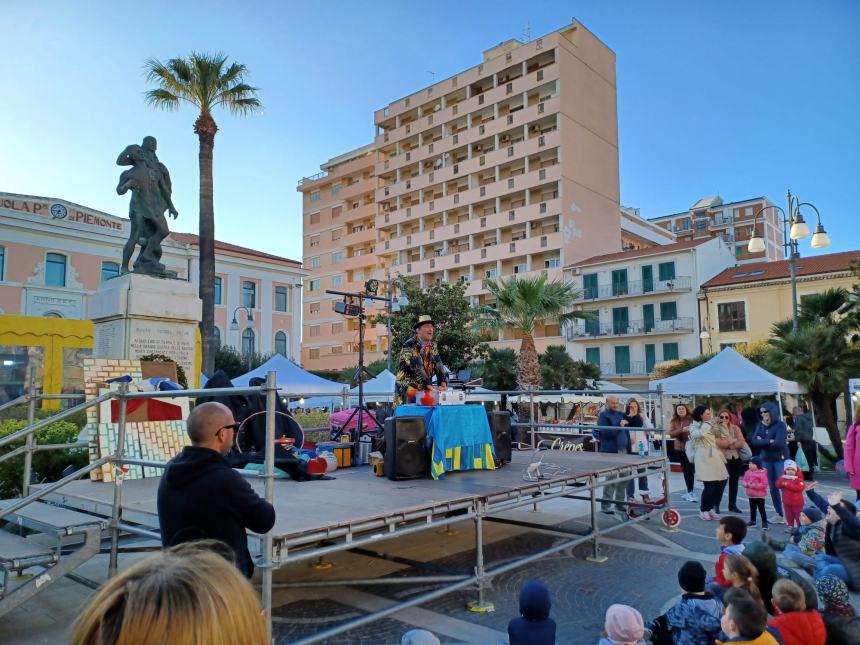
pixel 15 548
pixel 49 518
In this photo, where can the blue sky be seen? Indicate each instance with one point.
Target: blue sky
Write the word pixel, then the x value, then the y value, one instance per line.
pixel 736 98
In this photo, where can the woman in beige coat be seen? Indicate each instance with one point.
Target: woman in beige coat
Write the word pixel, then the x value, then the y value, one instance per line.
pixel 732 441
pixel 708 459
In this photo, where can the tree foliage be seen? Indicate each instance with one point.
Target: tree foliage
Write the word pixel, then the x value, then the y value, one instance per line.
pixel 522 304
pixel 499 370
pixel 204 81
pixel 375 368
pixel 560 372
pixel 48 465
pixel 456 337
pixel 234 363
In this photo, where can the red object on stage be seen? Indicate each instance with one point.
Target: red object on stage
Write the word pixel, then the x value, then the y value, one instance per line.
pixel 428 399
pixel 138 410
pixel 317 466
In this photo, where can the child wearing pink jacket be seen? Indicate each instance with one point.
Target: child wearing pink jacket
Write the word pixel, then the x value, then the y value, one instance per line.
pixel 755 485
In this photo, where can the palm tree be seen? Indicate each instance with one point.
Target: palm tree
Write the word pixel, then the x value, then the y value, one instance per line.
pixel 521 304
pixel 205 81
pixel 821 354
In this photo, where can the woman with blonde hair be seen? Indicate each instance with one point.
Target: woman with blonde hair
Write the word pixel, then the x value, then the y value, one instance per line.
pixel 741 572
pixel 187 595
pixel 708 460
pixel 732 442
pixel 679 430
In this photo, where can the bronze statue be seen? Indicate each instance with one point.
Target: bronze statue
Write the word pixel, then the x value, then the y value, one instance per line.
pixel 150 187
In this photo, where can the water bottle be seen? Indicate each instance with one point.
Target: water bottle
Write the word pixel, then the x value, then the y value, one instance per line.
pixel 642 450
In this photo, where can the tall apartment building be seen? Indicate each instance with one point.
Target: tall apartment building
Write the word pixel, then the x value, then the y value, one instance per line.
pixel 507 168
pixel 710 217
pixel 339 251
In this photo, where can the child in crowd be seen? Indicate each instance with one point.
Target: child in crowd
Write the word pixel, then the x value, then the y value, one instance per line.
pixel 742 574
pixel 791 484
pixel 796 625
pixel 807 542
pixel 755 485
pixel 695 618
pixel 731 532
pixel 841 555
pixel 533 626
pixel 623 626
pixel 840 620
pixel 744 621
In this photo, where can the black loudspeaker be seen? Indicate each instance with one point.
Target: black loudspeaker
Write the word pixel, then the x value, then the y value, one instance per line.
pixel 406 454
pixel 500 427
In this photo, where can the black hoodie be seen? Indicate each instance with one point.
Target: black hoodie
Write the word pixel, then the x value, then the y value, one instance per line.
pixel 201 497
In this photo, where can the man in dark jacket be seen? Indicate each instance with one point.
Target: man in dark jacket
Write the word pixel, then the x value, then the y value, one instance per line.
pixel 770 437
pixel 614 438
pixel 803 432
pixel 201 497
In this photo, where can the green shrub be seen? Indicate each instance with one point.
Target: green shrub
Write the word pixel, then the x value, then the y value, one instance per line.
pixel 315 419
pixel 47 465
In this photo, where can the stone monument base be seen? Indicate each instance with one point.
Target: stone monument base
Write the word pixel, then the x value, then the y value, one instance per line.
pixel 136 315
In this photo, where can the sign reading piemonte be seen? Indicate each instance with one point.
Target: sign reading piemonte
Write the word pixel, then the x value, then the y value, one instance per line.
pixel 58 211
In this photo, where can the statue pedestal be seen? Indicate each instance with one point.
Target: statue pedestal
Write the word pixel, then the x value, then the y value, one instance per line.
pixel 136 315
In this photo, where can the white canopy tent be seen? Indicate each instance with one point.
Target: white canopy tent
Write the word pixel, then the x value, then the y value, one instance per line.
pixel 727 373
pixel 292 380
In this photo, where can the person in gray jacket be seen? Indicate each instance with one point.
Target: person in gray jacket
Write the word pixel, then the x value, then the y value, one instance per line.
pixel 803 433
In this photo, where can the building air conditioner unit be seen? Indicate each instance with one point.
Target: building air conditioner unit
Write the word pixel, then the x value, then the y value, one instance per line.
pixel 437 164
pixel 437 107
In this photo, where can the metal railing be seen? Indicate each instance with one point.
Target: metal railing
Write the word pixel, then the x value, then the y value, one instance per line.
pixel 629 328
pixel 636 288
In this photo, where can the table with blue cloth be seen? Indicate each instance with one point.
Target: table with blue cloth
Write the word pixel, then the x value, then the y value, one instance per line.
pixel 459 436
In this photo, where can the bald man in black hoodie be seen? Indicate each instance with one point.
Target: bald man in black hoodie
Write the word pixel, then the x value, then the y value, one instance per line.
pixel 201 497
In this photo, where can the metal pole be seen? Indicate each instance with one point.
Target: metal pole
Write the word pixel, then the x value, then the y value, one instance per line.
pixel 116 464
pixel 271 394
pixel 388 307
pixel 532 427
pixel 792 248
pixel 31 440
pixel 661 424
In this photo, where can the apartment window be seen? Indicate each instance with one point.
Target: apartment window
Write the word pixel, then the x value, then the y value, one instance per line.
pixel 552 263
pixel 314 352
pixel 732 316
pixel 314 308
pixel 589 284
pixel 622 359
pixel 315 241
pixel 592 355
pixel 315 196
pixel 249 294
pixel 2 263
pixel 218 287
pixel 650 357
pixel 540 75
pixel 248 342
pixel 336 234
pixel 282 302
pixel 336 328
pixel 336 280
pixel 315 262
pixel 336 211
pixel 315 218
pixel 337 349
pixel 670 351
pixel 337 257
pixel 55 270
pixel 666 271
pixel 619 282
pixel 314 331
pixel 281 343
pixel 216 335
pixel 335 189
pixel 314 285
pixel 668 310
pixel 109 270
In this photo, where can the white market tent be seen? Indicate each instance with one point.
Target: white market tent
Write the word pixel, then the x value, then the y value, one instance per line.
pixel 727 373
pixel 292 380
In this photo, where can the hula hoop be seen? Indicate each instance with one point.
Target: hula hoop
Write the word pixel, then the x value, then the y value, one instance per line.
pixel 240 430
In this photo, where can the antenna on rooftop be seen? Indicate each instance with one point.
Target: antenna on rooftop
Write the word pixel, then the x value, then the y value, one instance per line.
pixel 432 76
pixel 527 33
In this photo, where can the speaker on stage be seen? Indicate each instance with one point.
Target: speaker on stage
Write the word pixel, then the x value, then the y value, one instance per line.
pixel 500 427
pixel 406 454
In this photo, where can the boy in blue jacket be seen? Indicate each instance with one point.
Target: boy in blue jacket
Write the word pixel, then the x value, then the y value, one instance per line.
pixel 533 626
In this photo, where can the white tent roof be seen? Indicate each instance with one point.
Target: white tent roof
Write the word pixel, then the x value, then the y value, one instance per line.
pixel 379 388
pixel 727 373
pixel 292 379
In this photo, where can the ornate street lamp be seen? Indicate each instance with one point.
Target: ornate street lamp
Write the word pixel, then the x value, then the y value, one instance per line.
pixel 794 228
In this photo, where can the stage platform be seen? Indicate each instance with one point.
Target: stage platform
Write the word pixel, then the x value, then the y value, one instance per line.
pixel 355 509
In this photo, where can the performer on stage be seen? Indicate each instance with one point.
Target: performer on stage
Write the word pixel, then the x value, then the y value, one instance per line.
pixel 419 362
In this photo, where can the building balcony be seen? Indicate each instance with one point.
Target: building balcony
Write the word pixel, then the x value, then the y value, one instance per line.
pixel 584 330
pixel 679 283
pixel 630 368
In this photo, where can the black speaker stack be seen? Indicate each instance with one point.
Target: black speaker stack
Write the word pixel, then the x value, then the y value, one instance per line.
pixel 406 453
pixel 500 427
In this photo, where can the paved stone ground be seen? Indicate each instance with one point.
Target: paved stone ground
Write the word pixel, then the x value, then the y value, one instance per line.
pixel 641 570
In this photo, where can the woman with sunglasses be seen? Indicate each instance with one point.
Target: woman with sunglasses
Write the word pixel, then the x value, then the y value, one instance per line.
pixel 636 421
pixel 679 430
pixel 708 458
pixel 731 446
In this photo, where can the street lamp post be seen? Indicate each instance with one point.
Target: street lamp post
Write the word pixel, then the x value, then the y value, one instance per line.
pixel 249 324
pixel 794 228
pixel 393 306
